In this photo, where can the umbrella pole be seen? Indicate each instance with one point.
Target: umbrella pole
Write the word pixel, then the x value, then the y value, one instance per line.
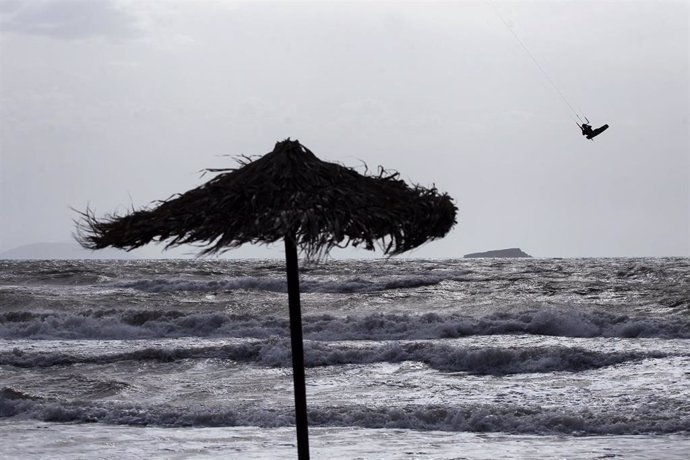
pixel 297 348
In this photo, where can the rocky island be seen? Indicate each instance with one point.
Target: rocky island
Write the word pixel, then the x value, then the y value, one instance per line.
pixel 511 252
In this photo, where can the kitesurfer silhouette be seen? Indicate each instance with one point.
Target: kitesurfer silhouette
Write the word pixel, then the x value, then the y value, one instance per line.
pixel 590 133
pixel 586 130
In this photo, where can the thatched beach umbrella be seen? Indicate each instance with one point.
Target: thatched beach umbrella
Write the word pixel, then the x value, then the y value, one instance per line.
pixel 287 194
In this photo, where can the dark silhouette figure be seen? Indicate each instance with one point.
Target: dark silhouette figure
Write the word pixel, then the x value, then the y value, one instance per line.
pixel 586 130
pixel 590 133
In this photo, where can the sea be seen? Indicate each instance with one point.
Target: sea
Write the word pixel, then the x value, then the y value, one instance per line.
pixel 405 359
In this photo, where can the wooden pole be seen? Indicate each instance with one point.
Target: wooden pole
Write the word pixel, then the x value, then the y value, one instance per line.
pixel 297 348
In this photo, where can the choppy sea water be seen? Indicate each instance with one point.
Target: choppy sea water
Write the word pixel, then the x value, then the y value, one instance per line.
pixel 472 358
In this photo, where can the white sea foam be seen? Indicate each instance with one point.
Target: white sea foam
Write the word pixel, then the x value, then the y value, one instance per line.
pixel 33 440
pixel 123 324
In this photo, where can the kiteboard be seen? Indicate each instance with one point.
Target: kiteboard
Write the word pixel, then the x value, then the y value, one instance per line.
pixel 597 131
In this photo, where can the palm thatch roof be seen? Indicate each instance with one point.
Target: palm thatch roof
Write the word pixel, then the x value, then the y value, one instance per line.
pixel 287 193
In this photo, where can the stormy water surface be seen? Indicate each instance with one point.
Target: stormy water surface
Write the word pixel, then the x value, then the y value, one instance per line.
pixel 478 358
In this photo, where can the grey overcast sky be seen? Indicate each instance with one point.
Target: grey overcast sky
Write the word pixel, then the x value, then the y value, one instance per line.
pixel 115 103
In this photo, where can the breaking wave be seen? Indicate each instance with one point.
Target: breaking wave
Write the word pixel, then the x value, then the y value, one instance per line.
pixel 279 284
pixel 468 418
pixel 276 353
pixel 139 324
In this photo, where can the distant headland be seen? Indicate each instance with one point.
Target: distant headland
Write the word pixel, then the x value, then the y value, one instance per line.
pixel 64 251
pixel 511 252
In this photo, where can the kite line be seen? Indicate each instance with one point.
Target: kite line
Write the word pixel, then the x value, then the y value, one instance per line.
pixel 536 62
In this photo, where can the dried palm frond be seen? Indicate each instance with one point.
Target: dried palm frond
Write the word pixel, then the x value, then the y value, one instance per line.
pixel 288 193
